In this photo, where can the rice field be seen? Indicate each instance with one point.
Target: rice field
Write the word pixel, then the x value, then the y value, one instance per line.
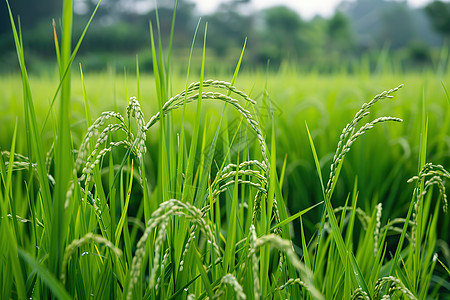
pixel 286 184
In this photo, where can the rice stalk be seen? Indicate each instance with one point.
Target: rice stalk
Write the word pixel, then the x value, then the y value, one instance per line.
pixel 228 174
pixel 361 214
pixel 137 144
pixel 24 220
pixel 92 132
pixel 179 100
pixel 438 174
pixel 286 247
pixel 160 216
pixel 395 285
pixel 160 238
pixel 75 244
pixel 348 135
pixel 191 297
pixel 232 281
pixel 254 263
pixel 359 294
pixel 376 231
pixel 164 263
pixel 291 281
pixel 390 227
pixel 430 175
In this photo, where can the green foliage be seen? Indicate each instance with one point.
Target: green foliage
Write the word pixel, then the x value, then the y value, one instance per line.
pixel 358 30
pixel 130 206
pixel 339 34
pixel 439 13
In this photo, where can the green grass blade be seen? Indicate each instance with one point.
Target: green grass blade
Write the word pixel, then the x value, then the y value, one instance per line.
pixel 423 138
pixel 421 163
pixel 201 192
pixel 273 181
pixel 350 226
pixel 293 217
pixel 10 233
pixel 319 173
pixel 35 146
pixel 304 246
pixel 445 91
pixel 238 66
pixel 286 234
pixel 180 235
pixel 189 175
pixel 201 269
pixel 181 145
pixel 68 66
pixel 316 160
pixel 172 30
pixel 138 82
pixel 15 264
pixel 266 218
pixel 10 171
pixel 230 247
pixel 85 98
pixel 63 144
pixel 443 266
pixel 336 232
pixel 125 209
pixel 57 49
pixel 206 166
pixel 8 190
pixel 50 280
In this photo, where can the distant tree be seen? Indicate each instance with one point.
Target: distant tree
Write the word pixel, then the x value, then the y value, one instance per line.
pixel 282 19
pixel 30 13
pixel 439 14
pixel 228 27
pixel 280 34
pixel 396 25
pixel 35 23
pixel 123 26
pixel 380 22
pixel 4 19
pixel 108 8
pixel 339 33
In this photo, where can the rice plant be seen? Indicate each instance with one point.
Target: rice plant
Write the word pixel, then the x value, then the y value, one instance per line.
pixel 88 217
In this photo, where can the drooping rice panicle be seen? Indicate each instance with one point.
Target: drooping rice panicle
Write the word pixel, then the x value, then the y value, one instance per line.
pixel 394 284
pixel 160 238
pixel 164 212
pixel 75 244
pixel 291 281
pixel 376 231
pixel 92 132
pixel 164 263
pixel 232 281
pixel 254 262
pixel 348 135
pixel 286 247
pixel 436 175
pixel 171 105
pixel 359 294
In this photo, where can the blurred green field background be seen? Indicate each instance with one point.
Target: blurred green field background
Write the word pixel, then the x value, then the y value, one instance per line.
pixel 313 74
pixel 383 159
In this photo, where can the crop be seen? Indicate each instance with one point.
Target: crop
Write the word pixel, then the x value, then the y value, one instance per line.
pixel 201 212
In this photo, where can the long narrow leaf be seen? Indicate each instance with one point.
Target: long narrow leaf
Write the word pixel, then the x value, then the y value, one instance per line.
pixel 50 280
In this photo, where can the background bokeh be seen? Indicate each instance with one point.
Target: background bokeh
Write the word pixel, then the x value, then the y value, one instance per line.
pixel 412 37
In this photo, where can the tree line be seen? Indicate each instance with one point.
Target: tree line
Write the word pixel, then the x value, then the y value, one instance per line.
pixel 277 34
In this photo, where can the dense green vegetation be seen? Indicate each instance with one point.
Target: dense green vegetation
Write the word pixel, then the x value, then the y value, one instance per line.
pixel 359 30
pixel 175 185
